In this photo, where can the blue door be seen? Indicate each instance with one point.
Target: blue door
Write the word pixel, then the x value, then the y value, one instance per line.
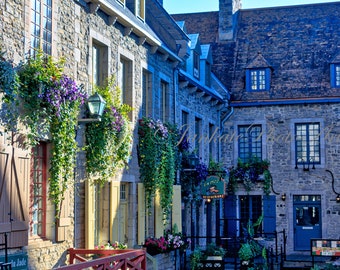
pixel 307 220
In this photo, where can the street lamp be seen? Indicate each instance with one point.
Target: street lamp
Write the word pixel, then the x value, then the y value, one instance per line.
pixel 95 105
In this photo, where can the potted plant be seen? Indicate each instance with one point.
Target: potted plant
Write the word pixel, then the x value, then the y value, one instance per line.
pixel 250 249
pixel 213 254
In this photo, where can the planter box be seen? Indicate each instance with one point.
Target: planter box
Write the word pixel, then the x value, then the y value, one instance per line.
pixel 212 262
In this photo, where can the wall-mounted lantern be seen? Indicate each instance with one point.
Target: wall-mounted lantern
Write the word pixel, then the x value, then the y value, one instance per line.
pixel 95 105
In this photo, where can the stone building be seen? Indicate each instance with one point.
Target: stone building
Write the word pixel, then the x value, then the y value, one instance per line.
pixel 281 66
pixel 160 75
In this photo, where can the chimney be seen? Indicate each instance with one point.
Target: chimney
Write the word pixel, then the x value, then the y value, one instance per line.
pixel 227 17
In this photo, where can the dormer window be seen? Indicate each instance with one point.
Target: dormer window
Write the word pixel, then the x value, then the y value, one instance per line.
pixel 196 65
pixel 121 2
pixel 258 79
pixel 335 75
pixel 258 73
pixel 140 9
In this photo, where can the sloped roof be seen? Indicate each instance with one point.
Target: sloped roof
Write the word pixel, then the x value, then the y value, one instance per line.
pixel 258 62
pixel 298 42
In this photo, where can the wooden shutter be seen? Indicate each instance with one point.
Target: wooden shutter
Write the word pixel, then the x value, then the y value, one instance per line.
pixel 141 214
pixel 159 227
pixel 248 80
pixel 90 219
pixel 333 75
pixel 64 218
pixel 230 214
pixel 114 211
pixel 177 207
pixel 14 192
pixel 269 213
pixel 268 78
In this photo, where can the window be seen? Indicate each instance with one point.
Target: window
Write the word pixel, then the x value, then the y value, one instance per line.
pixel 41 26
pixel 307 143
pixel 335 75
pixel 240 209
pixel 212 141
pixel 250 209
pixel 125 80
pixel 198 134
pixel 38 190
pixel 185 121
pixel 196 65
pixel 164 106
pixel 147 93
pixel 140 9
pixel 121 2
pixel 99 63
pixel 258 79
pixel 249 142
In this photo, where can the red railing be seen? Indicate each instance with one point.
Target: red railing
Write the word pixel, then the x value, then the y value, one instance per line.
pixel 120 259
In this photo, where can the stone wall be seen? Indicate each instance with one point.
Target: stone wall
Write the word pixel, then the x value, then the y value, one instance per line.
pixel 278 147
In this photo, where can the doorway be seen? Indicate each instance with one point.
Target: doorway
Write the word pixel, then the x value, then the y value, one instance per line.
pixel 307 220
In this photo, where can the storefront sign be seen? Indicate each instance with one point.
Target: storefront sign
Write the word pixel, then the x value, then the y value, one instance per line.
pixel 213 187
pixel 18 261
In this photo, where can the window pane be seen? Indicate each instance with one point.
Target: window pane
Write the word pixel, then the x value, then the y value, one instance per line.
pixel 307 143
pixel 250 142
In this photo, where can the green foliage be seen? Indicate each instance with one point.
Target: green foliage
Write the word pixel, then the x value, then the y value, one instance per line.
pixel 8 78
pixel 46 102
pixel 109 141
pixel 9 84
pixel 195 258
pixel 35 76
pixel 158 160
pixel 250 249
pixel 248 173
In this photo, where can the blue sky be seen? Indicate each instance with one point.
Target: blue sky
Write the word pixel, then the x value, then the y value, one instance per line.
pixel 188 6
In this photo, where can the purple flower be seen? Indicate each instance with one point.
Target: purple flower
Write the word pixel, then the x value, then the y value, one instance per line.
pixel 64 90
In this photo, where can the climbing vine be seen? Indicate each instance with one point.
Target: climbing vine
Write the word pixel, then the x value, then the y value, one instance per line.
pixel 158 160
pixel 109 141
pixel 47 103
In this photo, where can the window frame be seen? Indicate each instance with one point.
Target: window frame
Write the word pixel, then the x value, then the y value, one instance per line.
pixel 259 86
pixel 196 65
pixel 140 9
pixel 147 96
pixel 39 154
pixel 305 157
pixel 198 135
pixel 164 101
pixel 249 147
pixel 41 37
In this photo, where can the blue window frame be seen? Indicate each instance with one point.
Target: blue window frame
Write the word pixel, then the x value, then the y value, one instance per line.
pixel 249 142
pixel 258 79
pixel 307 143
pixel 335 75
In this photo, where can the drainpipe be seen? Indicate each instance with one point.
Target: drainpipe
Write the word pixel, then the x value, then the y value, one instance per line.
pixel 225 118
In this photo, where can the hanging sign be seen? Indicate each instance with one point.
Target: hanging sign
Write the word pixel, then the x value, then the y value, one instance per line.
pixel 213 187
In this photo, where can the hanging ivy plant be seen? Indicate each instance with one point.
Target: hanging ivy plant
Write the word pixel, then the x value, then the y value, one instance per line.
pixel 62 101
pixel 48 102
pixel 36 75
pixel 109 141
pixel 158 160
pixel 249 173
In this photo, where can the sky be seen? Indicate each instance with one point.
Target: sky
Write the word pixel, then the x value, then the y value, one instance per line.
pixel 190 6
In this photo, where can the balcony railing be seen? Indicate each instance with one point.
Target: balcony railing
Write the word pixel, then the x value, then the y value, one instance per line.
pixel 120 259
